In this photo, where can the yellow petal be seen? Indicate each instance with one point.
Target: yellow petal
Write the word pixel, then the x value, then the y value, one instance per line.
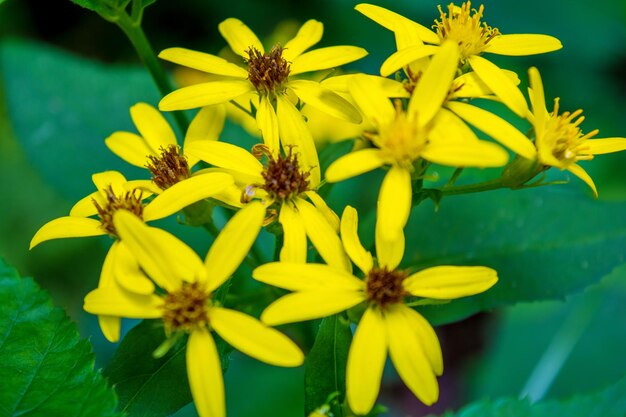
pixel 602 146
pixel 391 88
pixel 102 181
pixel 408 357
pixel 268 124
pixel 309 305
pixel 351 243
pixel 204 372
pixel 582 174
pixel 353 164
pixel 309 34
pixel 226 155
pixel 538 102
pixel 324 58
pixel 434 85
pixel 306 277
pixel 185 193
pixel 448 127
pixel 68 226
pixel 522 44
pixel 394 202
pixel 322 235
pixel 448 282
pixel 426 335
pixel 205 94
pixel 115 301
pixel 323 208
pixel 110 327
pixel 371 100
pixel 152 126
pixel 239 37
pixel 477 153
pixel 128 274
pixel 207 124
pixel 294 132
pixel 469 85
pixel 500 84
pixel 313 94
pixel 410 30
pixel 389 253
pixel 255 339
pixel 203 62
pixel 85 206
pixel 497 128
pixel 404 57
pixel 294 235
pixel 366 360
pixel 147 187
pixel 233 244
pixel 167 260
pixel 130 147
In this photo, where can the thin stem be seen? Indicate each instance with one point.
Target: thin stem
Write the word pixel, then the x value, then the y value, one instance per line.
pixel 454 177
pixel 243 109
pixel 142 46
pixel 473 188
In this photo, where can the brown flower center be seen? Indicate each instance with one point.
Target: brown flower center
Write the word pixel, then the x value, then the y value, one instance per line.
pixel 385 287
pixel 169 168
pixel 283 177
pixel 186 309
pixel 130 200
pixel 267 71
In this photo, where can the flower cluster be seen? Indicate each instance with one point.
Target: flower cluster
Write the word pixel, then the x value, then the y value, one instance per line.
pixel 429 113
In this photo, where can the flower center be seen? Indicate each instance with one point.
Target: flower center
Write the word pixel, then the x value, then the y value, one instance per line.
pixel 283 177
pixel 384 287
pixel 563 136
pixel 168 168
pixel 402 139
pixel 186 309
pixel 130 201
pixel 267 71
pixel 465 29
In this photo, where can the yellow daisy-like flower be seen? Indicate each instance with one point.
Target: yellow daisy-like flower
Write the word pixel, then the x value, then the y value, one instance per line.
pixel 268 76
pixel 285 184
pixel 156 148
pixel 559 140
pixel 424 130
pixel 388 324
pixel 115 194
pixel 187 306
pixel 463 26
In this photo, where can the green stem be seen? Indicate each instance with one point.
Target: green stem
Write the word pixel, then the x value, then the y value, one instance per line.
pixel 142 46
pixel 473 188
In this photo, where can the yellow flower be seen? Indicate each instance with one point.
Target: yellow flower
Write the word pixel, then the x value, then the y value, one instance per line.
pixel 559 140
pixel 187 306
pixel 286 184
pixel 463 26
pixel 423 131
pixel 156 148
pixel 388 324
pixel 269 77
pixel 115 194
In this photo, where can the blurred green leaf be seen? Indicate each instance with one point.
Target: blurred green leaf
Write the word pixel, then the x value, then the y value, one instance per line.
pixel 62 107
pixel 325 368
pixel 47 370
pixel 544 243
pixel 150 387
pixel 610 402
pixel 570 347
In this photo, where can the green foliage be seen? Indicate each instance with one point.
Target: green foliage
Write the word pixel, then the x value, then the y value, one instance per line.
pixel 47 370
pixel 325 371
pixel 610 402
pixel 545 243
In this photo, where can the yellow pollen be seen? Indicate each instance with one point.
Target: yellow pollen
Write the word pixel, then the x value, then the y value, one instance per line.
pixel 465 28
pixel 186 309
pixel 401 140
pixel 269 71
pixel 563 138
pixel 384 287
pixel 130 201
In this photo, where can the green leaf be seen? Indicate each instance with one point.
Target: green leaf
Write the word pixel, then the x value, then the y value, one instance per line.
pixel 610 402
pixel 146 386
pixel 62 107
pixel 47 370
pixel 325 367
pixel 545 243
